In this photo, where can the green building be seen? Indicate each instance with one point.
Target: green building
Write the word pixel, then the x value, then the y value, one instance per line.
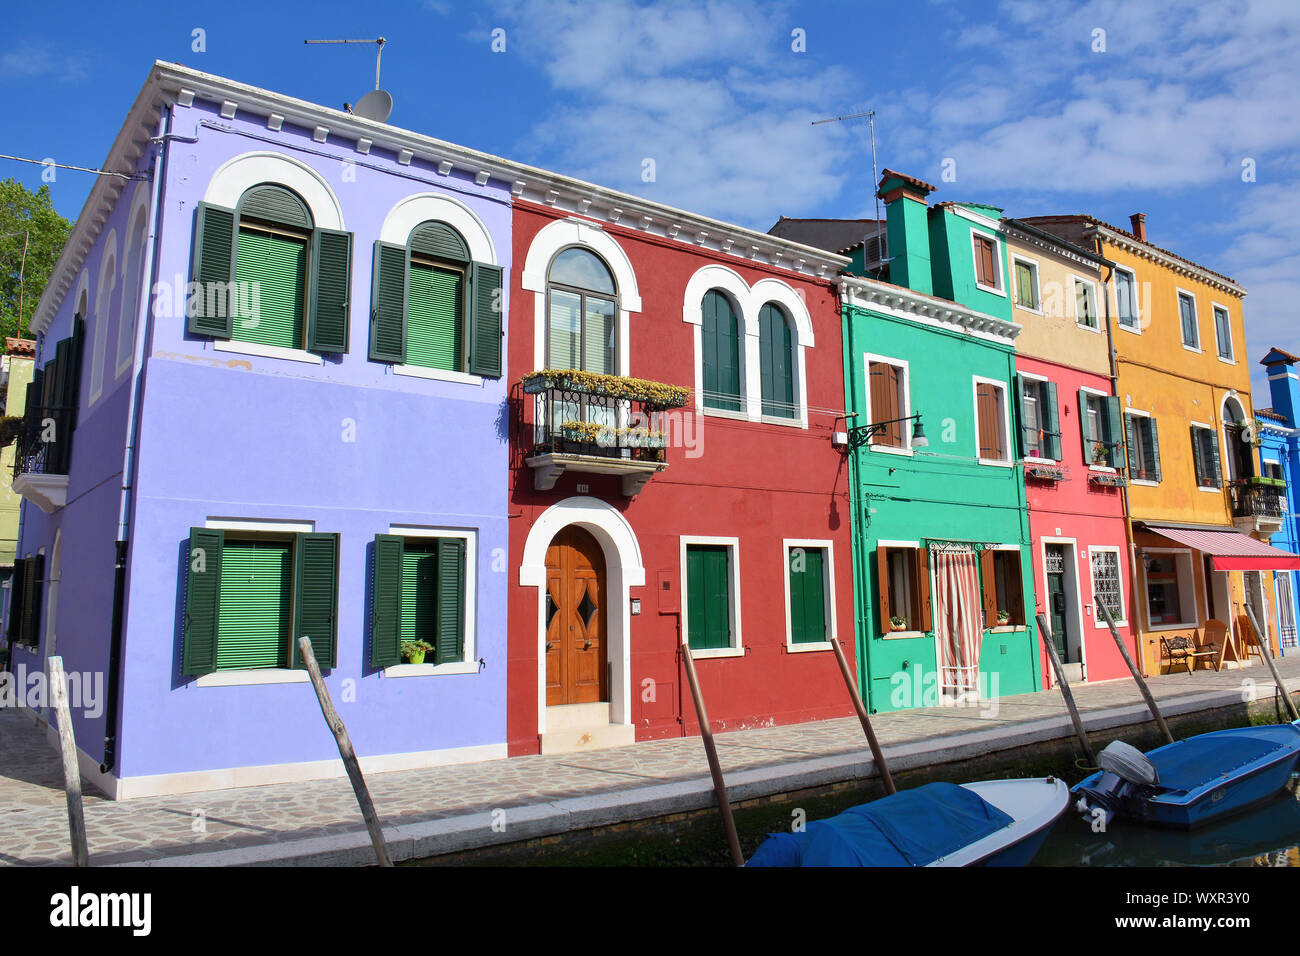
pixel 943 575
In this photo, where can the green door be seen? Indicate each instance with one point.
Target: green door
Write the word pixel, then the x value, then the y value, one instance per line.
pixel 1056 599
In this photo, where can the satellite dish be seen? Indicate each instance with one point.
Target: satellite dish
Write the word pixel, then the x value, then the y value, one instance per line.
pixel 376 105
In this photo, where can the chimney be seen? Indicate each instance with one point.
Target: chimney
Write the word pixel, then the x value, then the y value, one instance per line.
pixel 907 230
pixel 1283 385
pixel 1139 223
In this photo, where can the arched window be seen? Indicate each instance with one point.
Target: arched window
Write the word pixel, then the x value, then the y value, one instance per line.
pixel 435 297
pixel 776 351
pixel 268 275
pixel 581 313
pixel 721 343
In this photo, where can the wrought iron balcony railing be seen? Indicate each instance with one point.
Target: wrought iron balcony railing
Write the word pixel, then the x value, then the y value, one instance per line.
pixel 44 444
pixel 1258 498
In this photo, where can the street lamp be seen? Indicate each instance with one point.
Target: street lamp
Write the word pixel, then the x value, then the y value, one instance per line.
pixel 863 434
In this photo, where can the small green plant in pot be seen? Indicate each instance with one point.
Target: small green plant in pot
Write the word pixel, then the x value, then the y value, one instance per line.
pixel 413 651
pixel 1004 618
pixel 898 623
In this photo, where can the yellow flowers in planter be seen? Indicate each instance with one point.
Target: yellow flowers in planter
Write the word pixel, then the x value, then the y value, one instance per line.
pixel 608 436
pixel 654 394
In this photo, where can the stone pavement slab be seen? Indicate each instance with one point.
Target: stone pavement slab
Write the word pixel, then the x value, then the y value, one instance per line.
pixel 447 809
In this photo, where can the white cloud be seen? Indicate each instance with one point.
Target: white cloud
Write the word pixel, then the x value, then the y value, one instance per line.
pixel 32 60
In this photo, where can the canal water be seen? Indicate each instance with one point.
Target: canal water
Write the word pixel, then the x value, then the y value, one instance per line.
pixel 1267 836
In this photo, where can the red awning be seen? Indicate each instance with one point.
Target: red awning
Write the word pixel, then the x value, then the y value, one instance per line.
pixel 1232 550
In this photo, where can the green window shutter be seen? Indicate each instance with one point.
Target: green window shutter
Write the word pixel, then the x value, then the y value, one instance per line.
pixel 1131 432
pixel 331 288
pixel 315 604
pixel 807 596
pixel 31 611
pixel 214 263
pixel 1085 427
pixel 276 266
pixel 451 600
pixel 275 204
pixel 777 374
pixel 57 456
pixel 1215 463
pixel 1052 423
pixel 255 610
pixel 386 606
pixel 708 597
pixel 721 343
pixel 488 300
pixel 1028 440
pixel 12 632
pixel 1153 446
pixel 1114 429
pixel 202 600
pixel 388 304
pixel 1198 457
pixel 435 317
pixel 439 240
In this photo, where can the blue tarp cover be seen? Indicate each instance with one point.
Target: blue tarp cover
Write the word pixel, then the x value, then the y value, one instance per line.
pixel 911 828
pixel 1194 762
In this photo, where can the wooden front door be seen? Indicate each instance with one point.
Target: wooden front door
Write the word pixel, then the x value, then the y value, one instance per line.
pixel 576 655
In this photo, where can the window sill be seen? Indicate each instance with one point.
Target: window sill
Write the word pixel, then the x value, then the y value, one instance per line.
pixel 1191 348
pixel 895 635
pixel 267 351
pixel 1104 469
pixel 725 413
pixel 792 648
pixel 437 374
pixel 997 463
pixel 1144 482
pixel 705 652
pixel 1134 329
pixel 1025 308
pixel 990 288
pixel 782 420
pixel 892 450
pixel 1089 328
pixel 1227 361
pixel 266 675
pixel 1213 491
pixel 430 670
pixel 1034 460
pixel 1006 629
pixel 1172 627
pixel 1103 624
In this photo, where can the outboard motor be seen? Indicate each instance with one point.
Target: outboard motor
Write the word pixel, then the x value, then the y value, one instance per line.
pixel 1126 772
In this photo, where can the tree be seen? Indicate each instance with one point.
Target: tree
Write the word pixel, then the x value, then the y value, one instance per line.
pixel 26 216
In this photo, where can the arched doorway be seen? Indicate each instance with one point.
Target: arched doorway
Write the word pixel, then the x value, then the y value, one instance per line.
pixel 577 650
pixel 1240 461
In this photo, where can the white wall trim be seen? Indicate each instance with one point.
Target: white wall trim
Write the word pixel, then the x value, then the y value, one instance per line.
pixel 105 286
pixel 624 570
pixel 1038 282
pixel 905 432
pixel 1119 566
pixel 469 636
pixel 737 648
pixel 236 175
pixel 1000 285
pixel 976 381
pixel 828 591
pixel 421 207
pixel 1179 292
pixel 133 280
pixel 1073 545
pixel 267 351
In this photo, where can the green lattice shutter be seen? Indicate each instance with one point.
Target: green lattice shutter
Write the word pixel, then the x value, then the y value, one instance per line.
pixel 1085 428
pixel 1153 447
pixel 331 291
pixel 1052 423
pixel 256 604
pixel 214 264
pixel 451 600
pixel 388 304
pixel 807 595
pixel 1198 456
pixel 488 300
pixel 1114 431
pixel 202 600
pixel 315 604
pixel 721 345
pixel 276 267
pixel 708 597
pixel 777 373
pixel 1131 433
pixel 1212 460
pixel 435 317
pixel 386 602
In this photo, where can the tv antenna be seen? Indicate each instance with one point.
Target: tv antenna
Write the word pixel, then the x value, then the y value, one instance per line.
pixel 376 105
pixel 875 174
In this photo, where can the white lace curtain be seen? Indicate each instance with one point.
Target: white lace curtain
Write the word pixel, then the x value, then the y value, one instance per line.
pixel 959 623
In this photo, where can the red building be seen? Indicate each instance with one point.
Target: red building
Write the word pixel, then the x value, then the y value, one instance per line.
pixel 1072 449
pixel 640 512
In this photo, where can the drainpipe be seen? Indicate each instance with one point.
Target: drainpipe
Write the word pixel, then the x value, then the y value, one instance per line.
pixel 143 326
pixel 1128 512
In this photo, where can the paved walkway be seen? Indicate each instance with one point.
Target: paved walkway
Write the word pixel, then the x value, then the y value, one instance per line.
pixel 447 809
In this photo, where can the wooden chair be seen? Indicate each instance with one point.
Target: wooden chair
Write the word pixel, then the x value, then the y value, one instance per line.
pixel 1215 637
pixel 1184 650
pixel 1249 639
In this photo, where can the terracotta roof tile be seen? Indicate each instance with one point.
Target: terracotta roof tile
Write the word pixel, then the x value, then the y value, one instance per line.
pixel 23 348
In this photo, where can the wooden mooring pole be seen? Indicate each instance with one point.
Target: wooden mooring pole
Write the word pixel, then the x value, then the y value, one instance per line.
pixel 711 751
pixel 346 752
pixel 71 769
pixel 1262 639
pixel 1045 635
pixel 1141 681
pixel 877 755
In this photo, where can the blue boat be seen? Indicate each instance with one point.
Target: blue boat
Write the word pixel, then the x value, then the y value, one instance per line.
pixel 990 823
pixel 1191 782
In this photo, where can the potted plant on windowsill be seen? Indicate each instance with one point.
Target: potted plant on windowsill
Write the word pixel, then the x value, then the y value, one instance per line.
pixel 897 623
pixel 413 651
pixel 1004 618
pixel 1100 456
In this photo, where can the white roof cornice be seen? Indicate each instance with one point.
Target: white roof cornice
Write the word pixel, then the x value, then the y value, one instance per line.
pixel 907 303
pixel 1147 251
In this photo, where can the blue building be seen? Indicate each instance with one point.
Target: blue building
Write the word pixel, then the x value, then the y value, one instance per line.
pixel 1279 455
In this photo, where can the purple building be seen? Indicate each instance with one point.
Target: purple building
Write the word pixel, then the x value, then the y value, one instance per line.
pixel 311 441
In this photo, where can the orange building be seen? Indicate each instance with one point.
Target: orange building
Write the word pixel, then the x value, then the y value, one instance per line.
pixel 1199 515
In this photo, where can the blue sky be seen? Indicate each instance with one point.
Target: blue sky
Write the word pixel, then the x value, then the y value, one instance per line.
pixel 1033 113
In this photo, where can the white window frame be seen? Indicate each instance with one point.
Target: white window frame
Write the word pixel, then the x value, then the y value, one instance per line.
pixel 1101 422
pixel 1211 489
pixel 1091 286
pixel 1196 318
pixel 1038 287
pixel 828 591
pixel 1232 346
pixel 905 432
pixel 1024 598
pixel 469 639
pixel 1122 620
pixel 1042 380
pixel 1137 307
pixel 260 675
pixel 1136 413
pixel 929 584
pixel 1000 288
pixel 1186 588
pixel 976 381
pixel 737 648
